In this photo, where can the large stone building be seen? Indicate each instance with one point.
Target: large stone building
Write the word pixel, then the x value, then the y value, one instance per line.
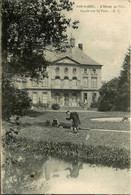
pixel 73 79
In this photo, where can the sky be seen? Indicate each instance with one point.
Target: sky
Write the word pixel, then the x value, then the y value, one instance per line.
pixel 105 33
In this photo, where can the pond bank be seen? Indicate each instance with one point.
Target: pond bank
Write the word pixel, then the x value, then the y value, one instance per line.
pixel 37 173
pixel 98 155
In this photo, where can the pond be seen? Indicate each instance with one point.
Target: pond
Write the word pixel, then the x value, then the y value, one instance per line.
pixel 111 119
pixel 45 174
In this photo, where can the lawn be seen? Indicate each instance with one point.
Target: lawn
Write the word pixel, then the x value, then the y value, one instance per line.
pixel 33 127
pixel 102 147
pixel 85 118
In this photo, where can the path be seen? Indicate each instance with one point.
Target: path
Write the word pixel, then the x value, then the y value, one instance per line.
pixel 115 131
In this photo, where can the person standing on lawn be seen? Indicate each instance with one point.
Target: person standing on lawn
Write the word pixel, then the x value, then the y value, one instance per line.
pixel 75 120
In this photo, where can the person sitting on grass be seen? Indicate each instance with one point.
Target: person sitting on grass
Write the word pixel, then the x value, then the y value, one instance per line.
pixel 55 122
pixel 75 120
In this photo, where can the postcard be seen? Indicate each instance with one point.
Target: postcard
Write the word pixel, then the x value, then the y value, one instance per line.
pixel 65 96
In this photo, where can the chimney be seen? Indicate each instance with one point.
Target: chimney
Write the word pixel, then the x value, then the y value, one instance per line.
pixel 80 46
pixel 72 42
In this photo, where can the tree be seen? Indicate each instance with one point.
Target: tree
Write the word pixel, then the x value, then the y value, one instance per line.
pixel 108 94
pixel 28 27
pixel 32 25
pixel 123 91
pixel 115 94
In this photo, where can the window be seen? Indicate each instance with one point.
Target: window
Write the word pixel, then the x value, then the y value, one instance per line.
pixel 85 70
pixel 57 98
pixel 74 99
pixel 34 98
pixel 44 97
pixel 85 82
pixel 66 70
pixel 57 81
pixel 57 70
pixel 66 82
pixel 85 97
pixel 74 70
pixel 94 71
pixel 45 82
pixel 94 82
pixel 74 81
pixel 93 97
pixel 66 99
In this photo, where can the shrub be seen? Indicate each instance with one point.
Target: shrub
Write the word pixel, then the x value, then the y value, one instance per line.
pixel 55 106
pixel 14 101
pixel 81 104
pixel 94 104
pixel 41 105
pixel 104 105
pixel 108 95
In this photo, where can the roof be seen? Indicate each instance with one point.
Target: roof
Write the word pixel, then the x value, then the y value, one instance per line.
pixel 74 53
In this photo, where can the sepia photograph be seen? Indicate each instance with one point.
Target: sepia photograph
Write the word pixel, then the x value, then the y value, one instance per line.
pixel 65 97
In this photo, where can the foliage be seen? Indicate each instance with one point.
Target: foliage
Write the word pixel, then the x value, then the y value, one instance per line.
pixel 115 94
pixel 41 105
pixel 36 66
pixel 81 104
pixel 18 166
pixel 94 104
pixel 108 93
pixel 15 101
pixel 98 155
pixel 55 106
pixel 123 91
pixel 30 26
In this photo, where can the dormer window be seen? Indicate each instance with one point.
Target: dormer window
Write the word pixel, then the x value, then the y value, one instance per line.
pixel 66 70
pixel 74 70
pixel 57 70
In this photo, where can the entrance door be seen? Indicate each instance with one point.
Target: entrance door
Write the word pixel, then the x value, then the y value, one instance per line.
pixel 66 100
pixel 57 98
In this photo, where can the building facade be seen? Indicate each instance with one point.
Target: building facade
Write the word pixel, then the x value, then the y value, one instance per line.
pixel 73 78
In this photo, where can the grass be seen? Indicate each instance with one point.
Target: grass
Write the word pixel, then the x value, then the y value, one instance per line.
pixel 98 155
pixel 105 148
pixel 39 118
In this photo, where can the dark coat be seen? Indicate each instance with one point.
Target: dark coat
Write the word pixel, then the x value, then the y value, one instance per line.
pixel 75 119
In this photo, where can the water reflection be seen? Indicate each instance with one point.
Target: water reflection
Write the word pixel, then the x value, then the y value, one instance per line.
pixel 74 171
pixel 45 174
